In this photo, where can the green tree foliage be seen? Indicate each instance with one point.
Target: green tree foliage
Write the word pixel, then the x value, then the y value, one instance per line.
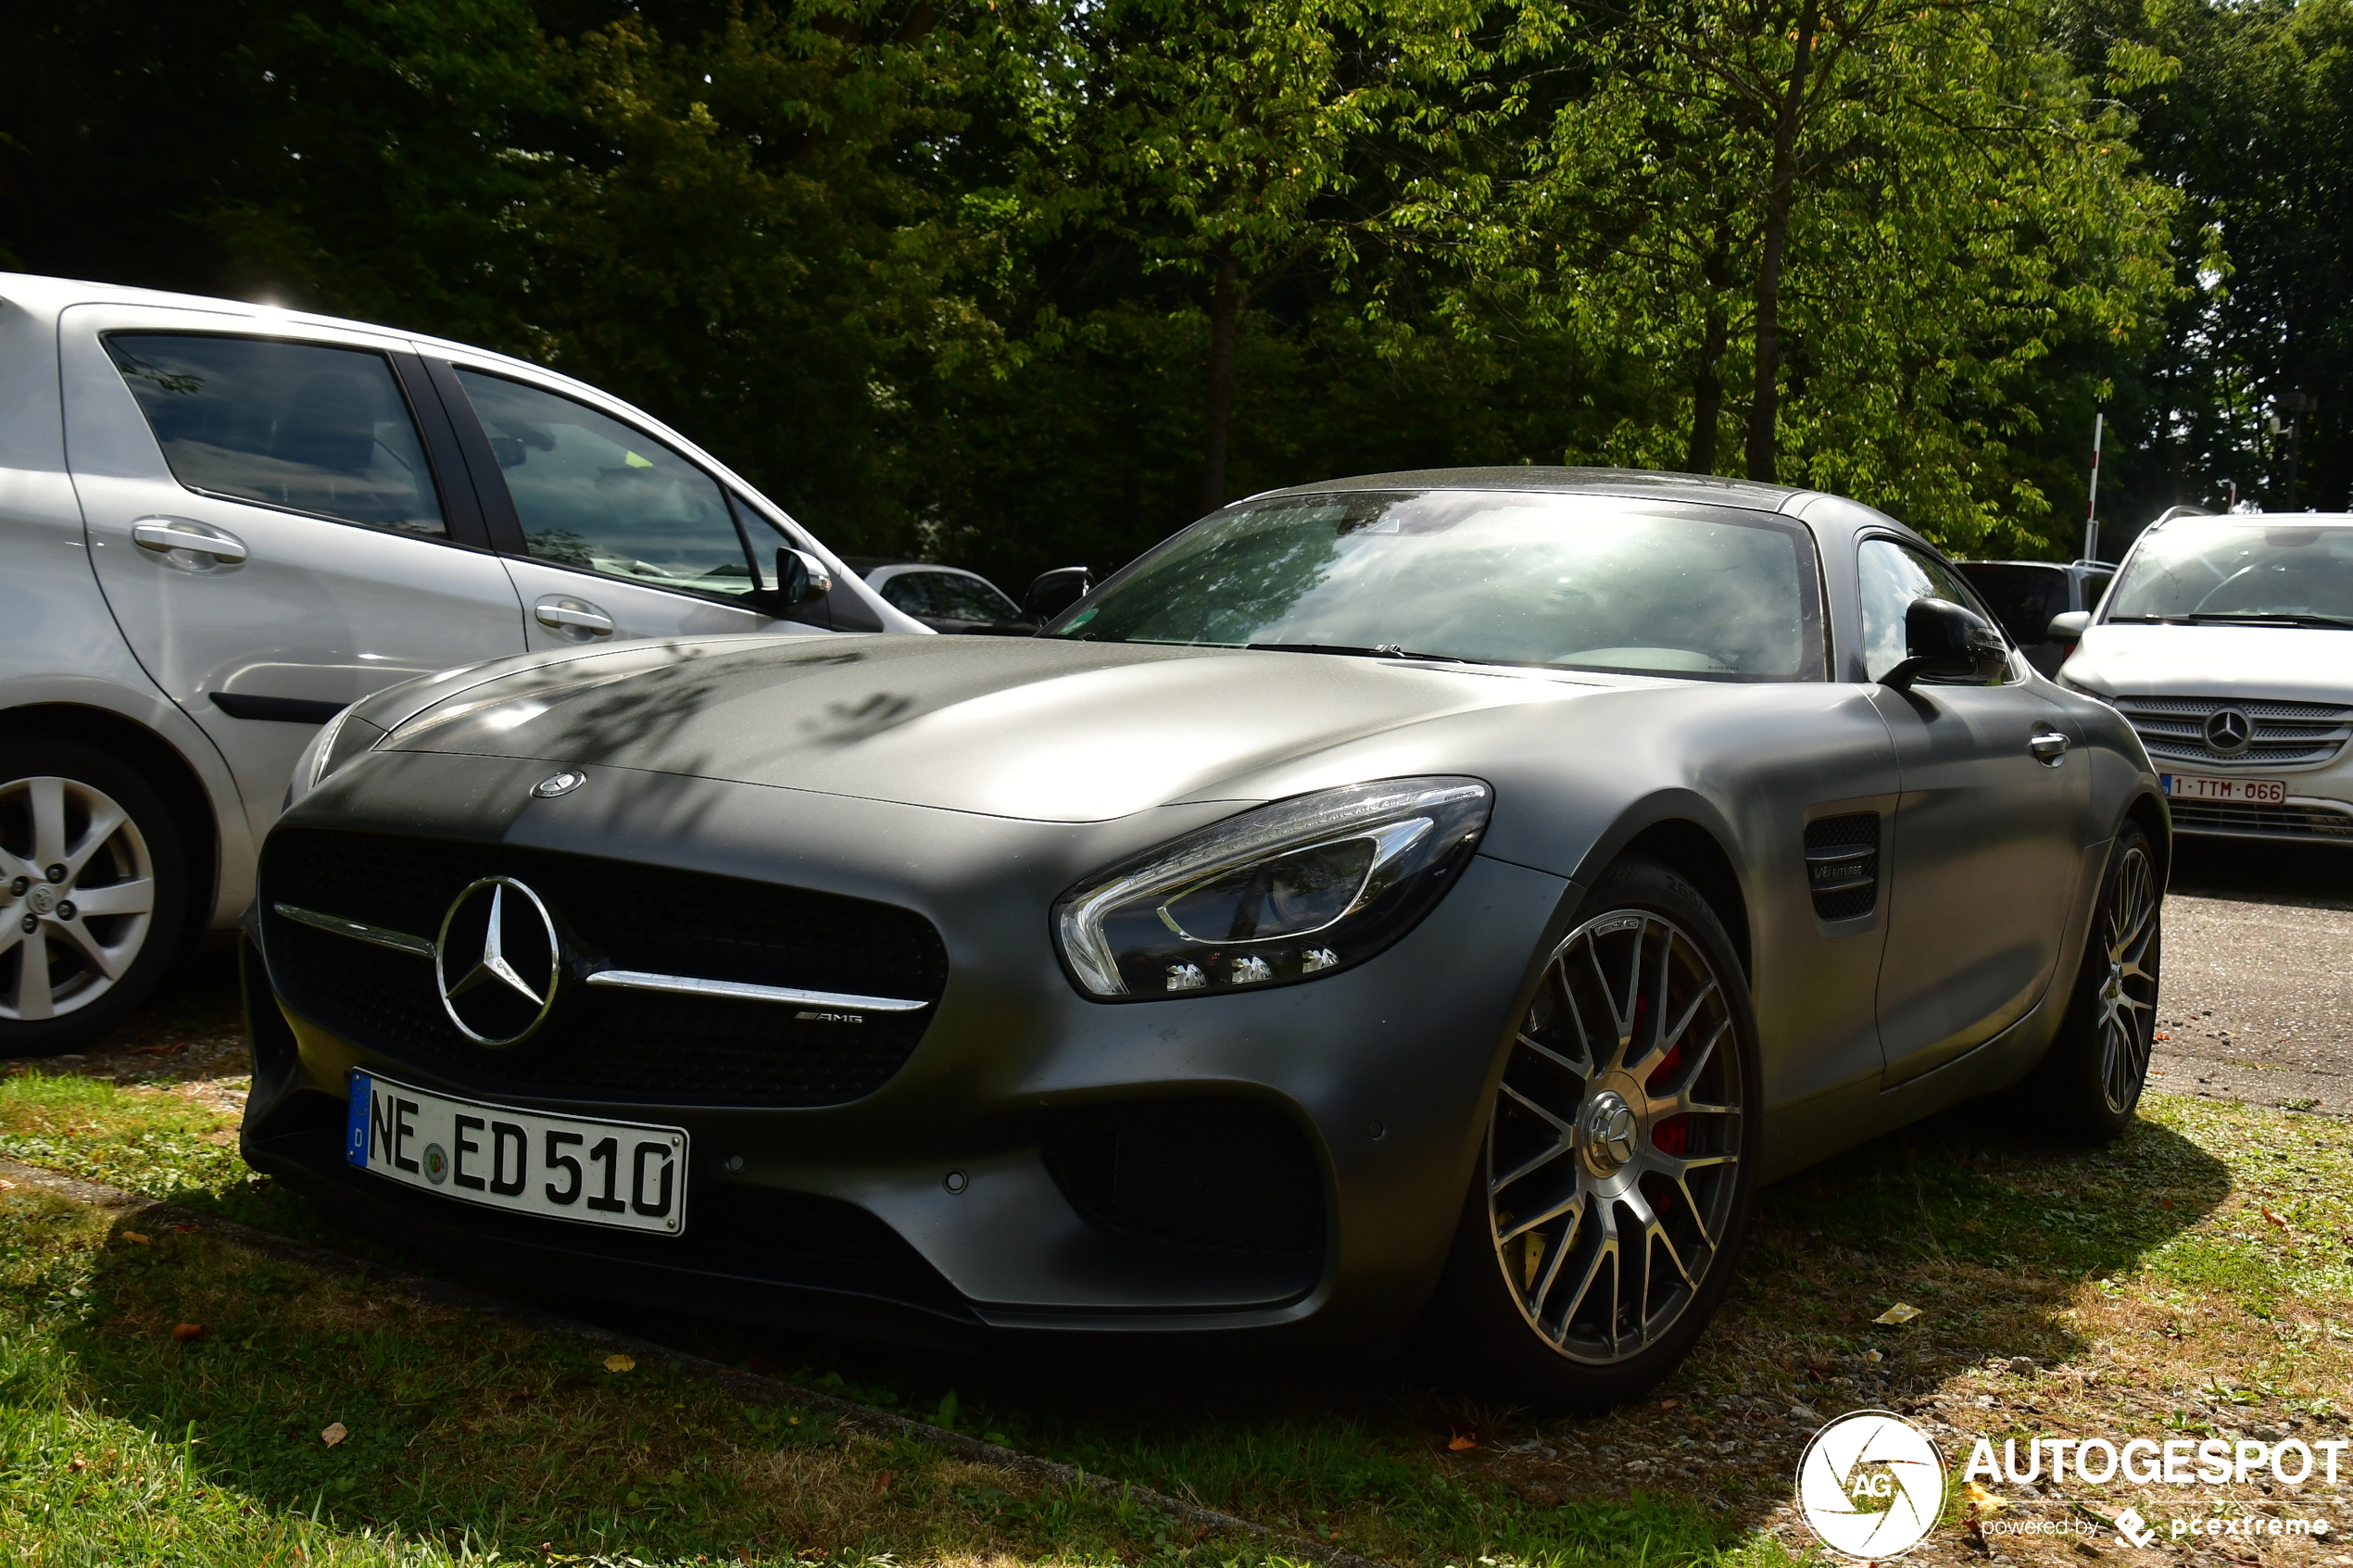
pixel 1029 282
pixel 1846 232
pixel 2250 115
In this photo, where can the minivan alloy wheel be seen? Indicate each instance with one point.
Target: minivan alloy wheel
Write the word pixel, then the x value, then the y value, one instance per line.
pixel 1612 1174
pixel 76 895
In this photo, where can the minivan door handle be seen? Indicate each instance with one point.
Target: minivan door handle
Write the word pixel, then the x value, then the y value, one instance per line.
pixel 576 619
pixel 165 536
pixel 2050 748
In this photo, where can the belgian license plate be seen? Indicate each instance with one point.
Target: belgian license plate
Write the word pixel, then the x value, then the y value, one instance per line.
pixel 2252 791
pixel 618 1173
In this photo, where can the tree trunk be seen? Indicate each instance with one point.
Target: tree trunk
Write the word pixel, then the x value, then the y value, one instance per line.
pixel 1224 326
pixel 1764 410
pixel 1707 377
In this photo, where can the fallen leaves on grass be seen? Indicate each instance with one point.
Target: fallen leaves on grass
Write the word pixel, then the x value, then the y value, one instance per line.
pixel 2276 1220
pixel 1903 1312
pixel 1461 1441
pixel 334 1433
pixel 621 1364
pixel 188 1332
pixel 174 1048
pixel 134 1236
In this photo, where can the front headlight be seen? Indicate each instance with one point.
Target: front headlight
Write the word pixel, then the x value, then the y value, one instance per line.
pixel 1292 891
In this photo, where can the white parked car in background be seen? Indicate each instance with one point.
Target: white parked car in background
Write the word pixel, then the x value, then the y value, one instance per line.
pixel 2228 643
pixel 222 523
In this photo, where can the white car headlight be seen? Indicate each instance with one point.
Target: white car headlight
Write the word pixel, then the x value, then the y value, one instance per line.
pixel 1291 891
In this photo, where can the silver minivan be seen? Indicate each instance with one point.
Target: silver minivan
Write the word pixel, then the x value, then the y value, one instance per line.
pixel 221 523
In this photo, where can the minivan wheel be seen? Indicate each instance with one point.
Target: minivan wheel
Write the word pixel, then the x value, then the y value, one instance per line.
pixel 94 894
pixel 1614 1186
pixel 2091 1080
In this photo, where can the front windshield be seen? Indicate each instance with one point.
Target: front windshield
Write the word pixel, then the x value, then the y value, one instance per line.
pixel 2260 570
pixel 1571 582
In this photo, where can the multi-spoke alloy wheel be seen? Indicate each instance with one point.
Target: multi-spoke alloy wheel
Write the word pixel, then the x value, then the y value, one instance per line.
pixel 77 890
pixel 1613 1153
pixel 2128 994
pixel 2089 1083
pixel 93 892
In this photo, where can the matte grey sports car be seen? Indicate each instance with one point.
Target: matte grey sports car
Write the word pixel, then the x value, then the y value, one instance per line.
pixel 1430 899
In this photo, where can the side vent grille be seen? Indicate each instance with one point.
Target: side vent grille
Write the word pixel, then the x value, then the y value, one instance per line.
pixel 1842 865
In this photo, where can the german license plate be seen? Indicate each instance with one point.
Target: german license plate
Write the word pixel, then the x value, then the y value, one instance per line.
pixel 618 1174
pixel 2252 791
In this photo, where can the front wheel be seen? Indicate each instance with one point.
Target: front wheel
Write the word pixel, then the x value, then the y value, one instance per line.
pixel 93 892
pixel 1613 1189
pixel 2092 1080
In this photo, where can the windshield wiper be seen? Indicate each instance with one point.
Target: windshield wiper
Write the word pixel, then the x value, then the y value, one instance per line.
pixel 2266 618
pixel 1382 650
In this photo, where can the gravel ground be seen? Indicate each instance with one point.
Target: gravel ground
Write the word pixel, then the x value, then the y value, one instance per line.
pixel 2258 993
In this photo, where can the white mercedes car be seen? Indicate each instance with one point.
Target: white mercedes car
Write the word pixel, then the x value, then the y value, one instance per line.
pixel 2228 643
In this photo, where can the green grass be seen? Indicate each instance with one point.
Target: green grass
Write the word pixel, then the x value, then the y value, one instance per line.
pixel 2152 1260
pixel 467 1441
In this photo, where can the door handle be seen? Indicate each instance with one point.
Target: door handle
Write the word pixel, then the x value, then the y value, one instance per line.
pixel 576 619
pixel 2050 748
pixel 165 534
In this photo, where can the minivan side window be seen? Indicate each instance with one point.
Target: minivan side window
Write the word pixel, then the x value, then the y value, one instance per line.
pixel 297 425
pixel 594 493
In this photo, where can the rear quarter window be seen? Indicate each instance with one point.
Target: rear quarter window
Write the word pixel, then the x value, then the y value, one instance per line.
pixel 299 425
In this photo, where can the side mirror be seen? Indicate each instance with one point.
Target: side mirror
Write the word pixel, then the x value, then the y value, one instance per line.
pixel 2069 628
pixel 1055 591
pixel 1943 641
pixel 801 578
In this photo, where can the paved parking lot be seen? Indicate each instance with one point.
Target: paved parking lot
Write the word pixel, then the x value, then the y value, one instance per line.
pixel 2257 994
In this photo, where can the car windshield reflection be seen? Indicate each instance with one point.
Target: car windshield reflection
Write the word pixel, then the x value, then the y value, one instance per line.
pixel 2224 572
pixel 1562 581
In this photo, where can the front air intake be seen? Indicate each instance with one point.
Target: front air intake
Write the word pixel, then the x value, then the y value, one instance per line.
pixel 1842 865
pixel 1209 1176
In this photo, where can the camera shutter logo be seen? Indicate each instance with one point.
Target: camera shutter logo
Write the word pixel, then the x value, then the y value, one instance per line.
pixel 1871 1486
pixel 497 962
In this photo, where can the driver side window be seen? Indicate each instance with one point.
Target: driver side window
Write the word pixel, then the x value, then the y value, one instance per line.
pixel 1891 576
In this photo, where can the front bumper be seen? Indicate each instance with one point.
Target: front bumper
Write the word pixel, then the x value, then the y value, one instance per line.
pixel 946 1201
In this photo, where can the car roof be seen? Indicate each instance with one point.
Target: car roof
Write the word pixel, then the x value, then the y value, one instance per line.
pixel 2261 519
pixel 1630 484
pixel 51 295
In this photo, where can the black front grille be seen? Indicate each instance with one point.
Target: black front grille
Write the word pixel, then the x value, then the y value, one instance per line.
pixel 2285 734
pixel 1213 1175
pixel 1842 865
pixel 2242 820
pixel 607 1044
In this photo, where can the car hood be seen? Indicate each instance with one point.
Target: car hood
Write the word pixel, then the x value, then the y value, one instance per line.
pixel 2290 663
pixel 1042 730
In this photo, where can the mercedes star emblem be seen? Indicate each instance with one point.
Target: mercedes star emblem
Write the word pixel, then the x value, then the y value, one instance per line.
pixel 497 962
pixel 559 783
pixel 2228 731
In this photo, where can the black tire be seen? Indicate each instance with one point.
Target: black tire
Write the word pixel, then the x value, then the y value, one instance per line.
pixel 1556 1193
pixel 2089 1083
pixel 54 793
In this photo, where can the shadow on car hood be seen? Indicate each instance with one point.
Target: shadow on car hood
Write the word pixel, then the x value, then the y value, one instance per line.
pixel 1045 730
